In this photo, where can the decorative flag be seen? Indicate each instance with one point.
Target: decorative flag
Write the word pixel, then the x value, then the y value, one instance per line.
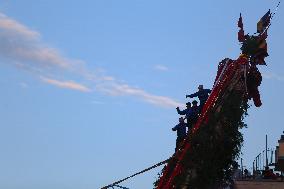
pixel 263 22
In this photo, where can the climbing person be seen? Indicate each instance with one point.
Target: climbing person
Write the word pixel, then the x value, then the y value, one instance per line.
pixel 193 114
pixel 180 128
pixel 202 95
pixel 185 112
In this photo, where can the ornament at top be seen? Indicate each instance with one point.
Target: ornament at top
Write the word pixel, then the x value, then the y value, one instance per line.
pixel 255 46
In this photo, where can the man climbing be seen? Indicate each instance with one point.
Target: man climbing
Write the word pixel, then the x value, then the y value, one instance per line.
pixel 180 128
pixel 193 115
pixel 202 95
pixel 185 112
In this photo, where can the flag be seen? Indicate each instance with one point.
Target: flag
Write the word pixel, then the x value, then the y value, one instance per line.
pixel 263 22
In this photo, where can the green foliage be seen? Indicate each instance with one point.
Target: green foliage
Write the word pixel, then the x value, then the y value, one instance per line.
pixel 215 146
pixel 250 45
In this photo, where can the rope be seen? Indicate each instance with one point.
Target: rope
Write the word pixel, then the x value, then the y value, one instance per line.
pixel 275 11
pixel 119 186
pixel 145 170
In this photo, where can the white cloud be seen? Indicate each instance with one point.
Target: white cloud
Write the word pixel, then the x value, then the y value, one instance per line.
pixel 66 84
pixel 18 43
pixel 108 78
pixel 13 27
pixel 116 89
pixel 23 48
pixel 274 76
pixel 161 67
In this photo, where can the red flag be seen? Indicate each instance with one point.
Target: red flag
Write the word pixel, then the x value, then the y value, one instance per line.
pixel 264 22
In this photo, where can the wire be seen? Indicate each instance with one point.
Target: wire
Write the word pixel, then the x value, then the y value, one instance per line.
pixel 276 9
pixel 273 14
pixel 120 186
pixel 149 168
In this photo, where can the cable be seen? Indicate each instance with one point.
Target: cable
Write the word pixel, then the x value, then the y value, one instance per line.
pixel 149 168
pixel 272 15
pixel 120 186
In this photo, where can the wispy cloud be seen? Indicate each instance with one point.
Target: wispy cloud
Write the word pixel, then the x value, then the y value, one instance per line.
pixel 23 85
pixel 21 45
pixel 115 89
pixel 269 75
pixel 161 67
pixel 24 48
pixel 13 27
pixel 66 84
pixel 97 102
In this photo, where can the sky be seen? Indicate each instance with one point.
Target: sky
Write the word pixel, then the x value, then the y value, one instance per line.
pixel 89 88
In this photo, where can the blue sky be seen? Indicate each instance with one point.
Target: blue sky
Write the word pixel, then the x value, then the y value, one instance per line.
pixel 89 88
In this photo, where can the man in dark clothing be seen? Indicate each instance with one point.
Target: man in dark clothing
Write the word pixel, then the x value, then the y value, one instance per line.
pixel 180 128
pixel 185 112
pixel 193 115
pixel 202 95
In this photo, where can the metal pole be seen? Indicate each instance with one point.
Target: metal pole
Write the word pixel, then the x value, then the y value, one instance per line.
pixel 266 160
pixel 259 159
pixel 271 156
pixel 259 166
pixel 263 162
pixel 242 167
pixel 256 164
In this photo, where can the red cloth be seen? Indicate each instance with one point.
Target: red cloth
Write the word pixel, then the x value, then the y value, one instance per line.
pixel 241 35
pixel 254 79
